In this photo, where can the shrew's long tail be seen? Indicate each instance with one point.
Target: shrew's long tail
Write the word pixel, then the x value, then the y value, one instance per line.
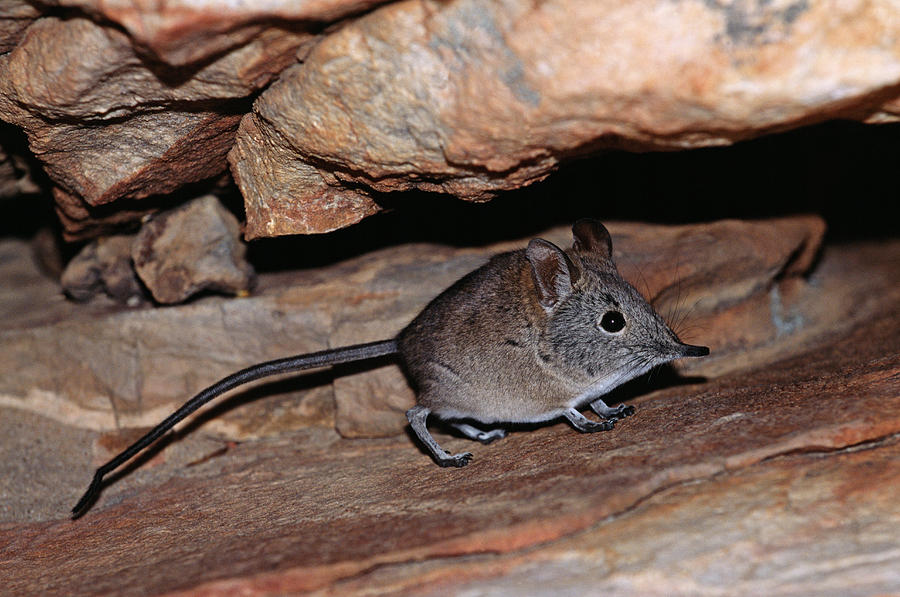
pixel 312 360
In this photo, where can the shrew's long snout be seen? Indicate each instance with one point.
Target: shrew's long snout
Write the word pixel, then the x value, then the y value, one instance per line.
pixel 689 350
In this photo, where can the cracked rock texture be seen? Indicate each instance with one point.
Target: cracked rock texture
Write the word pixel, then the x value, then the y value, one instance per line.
pixel 109 125
pixel 771 469
pixel 15 17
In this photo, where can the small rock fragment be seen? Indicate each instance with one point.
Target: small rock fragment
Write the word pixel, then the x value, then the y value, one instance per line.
pixel 192 248
pixel 104 265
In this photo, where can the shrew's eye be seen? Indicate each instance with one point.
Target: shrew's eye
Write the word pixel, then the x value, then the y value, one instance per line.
pixel 612 322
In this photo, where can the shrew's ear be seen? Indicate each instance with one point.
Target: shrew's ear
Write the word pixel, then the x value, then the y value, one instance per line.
pixel 592 237
pixel 552 272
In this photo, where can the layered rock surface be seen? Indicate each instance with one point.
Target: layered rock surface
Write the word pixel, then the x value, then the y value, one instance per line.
pixel 108 125
pixel 772 469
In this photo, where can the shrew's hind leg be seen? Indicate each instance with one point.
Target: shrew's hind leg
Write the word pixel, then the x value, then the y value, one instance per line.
pixel 417 416
pixel 479 435
pixel 585 425
pixel 607 412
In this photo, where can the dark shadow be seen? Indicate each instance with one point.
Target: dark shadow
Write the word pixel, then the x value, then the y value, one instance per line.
pixel 840 170
pixel 660 378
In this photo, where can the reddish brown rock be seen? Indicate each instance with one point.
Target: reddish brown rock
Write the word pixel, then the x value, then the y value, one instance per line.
pixel 184 31
pixel 108 125
pixel 107 369
pixel 778 477
pixel 155 153
pixel 107 80
pixel 741 286
pixel 803 524
pixel 192 248
pixel 259 162
pixel 15 17
pixel 473 97
pixel 373 402
pixel 82 221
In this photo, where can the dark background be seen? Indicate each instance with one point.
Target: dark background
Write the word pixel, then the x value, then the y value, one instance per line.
pixel 844 171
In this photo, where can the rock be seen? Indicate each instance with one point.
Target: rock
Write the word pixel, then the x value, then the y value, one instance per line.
pixel 104 265
pixel 471 97
pixel 28 297
pixel 260 162
pixel 107 80
pixel 82 221
pixel 125 101
pixel 103 368
pixel 15 17
pixel 192 248
pixel 741 286
pixel 775 478
pixel 108 125
pixel 155 154
pixel 184 32
pixel 372 401
pixel 792 526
